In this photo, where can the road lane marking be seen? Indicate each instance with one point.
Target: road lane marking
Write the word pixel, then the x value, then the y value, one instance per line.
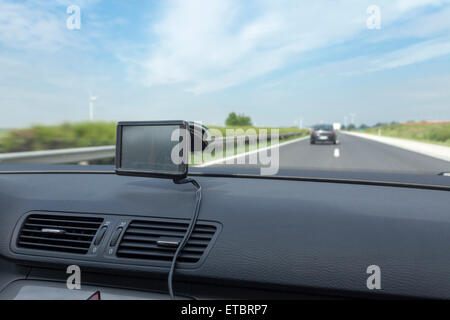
pixel 222 160
pixel 337 153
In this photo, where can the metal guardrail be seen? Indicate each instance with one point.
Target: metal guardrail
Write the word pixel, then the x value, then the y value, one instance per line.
pixel 76 155
pixel 59 156
pixel 248 139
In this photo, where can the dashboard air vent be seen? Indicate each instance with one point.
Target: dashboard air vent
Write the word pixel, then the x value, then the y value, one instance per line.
pixel 157 240
pixel 61 233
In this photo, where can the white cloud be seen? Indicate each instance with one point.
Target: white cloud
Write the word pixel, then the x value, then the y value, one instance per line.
pixel 23 26
pixel 405 5
pixel 217 44
pixel 37 24
pixel 417 53
pixel 413 54
pixel 208 46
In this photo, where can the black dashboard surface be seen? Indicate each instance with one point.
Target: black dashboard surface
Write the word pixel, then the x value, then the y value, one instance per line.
pixel 290 236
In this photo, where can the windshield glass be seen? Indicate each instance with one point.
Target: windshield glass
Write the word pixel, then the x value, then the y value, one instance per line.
pixel 325 127
pixel 374 75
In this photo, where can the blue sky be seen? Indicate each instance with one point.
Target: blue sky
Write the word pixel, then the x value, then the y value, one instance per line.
pixel 277 61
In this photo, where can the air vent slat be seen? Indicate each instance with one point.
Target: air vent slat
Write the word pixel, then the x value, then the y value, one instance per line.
pixel 147 246
pixel 144 239
pixel 57 247
pixel 65 216
pixel 60 233
pixel 56 239
pixel 85 235
pixel 60 226
pixel 182 228
pixel 195 235
pixel 73 222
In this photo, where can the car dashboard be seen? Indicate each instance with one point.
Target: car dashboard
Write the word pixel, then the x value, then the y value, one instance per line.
pixel 293 236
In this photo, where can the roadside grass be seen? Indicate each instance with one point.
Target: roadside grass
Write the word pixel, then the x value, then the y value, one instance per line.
pixel 66 135
pixel 3 133
pixel 82 134
pixel 438 133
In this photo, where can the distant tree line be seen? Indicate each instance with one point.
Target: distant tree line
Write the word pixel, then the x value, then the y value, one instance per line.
pixel 363 126
pixel 234 119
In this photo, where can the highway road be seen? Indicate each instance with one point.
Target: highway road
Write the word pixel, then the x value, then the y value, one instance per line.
pixel 356 154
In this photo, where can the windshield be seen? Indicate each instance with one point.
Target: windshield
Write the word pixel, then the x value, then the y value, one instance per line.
pixel 374 75
pixel 325 127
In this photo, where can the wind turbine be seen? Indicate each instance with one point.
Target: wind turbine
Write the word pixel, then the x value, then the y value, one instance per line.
pixel 91 106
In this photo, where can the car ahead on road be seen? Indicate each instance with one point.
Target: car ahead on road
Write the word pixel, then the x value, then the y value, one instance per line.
pixel 323 133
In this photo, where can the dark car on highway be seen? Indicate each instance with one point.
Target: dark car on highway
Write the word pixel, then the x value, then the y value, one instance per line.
pixel 323 133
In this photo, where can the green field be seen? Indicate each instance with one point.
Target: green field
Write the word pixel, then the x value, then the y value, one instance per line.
pixel 62 136
pixel 425 132
pixel 3 133
pixel 75 135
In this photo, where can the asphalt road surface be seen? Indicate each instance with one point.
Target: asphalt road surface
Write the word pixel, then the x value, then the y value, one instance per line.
pixel 356 154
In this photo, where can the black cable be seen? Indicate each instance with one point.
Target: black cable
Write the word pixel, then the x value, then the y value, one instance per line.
pixel 188 233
